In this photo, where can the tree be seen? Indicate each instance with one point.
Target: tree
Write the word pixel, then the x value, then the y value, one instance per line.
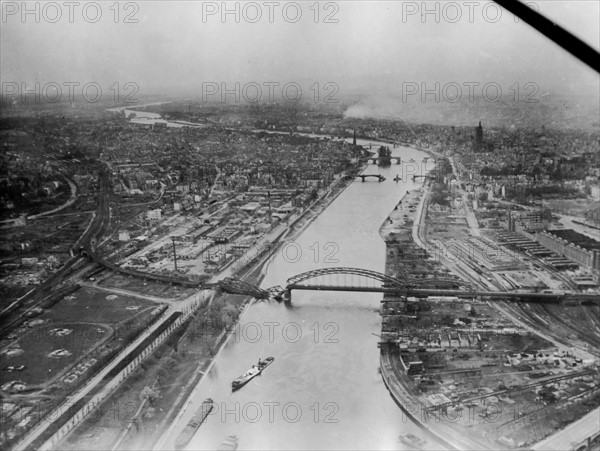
pixel 546 394
pixel 149 394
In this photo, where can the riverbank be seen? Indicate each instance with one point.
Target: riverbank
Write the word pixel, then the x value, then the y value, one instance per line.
pixel 255 277
pixel 390 373
pixel 458 386
pixel 183 364
pixel 395 230
pixel 317 207
pixel 190 390
pixel 364 206
pixel 402 260
pixel 398 224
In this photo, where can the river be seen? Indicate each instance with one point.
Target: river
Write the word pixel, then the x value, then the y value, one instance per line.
pixel 146 118
pixel 324 390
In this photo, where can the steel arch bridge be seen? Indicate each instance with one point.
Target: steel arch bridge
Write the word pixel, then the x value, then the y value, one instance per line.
pixel 295 282
pixel 236 286
pixel 408 287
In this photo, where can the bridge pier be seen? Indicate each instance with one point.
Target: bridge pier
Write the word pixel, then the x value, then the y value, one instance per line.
pixel 287 296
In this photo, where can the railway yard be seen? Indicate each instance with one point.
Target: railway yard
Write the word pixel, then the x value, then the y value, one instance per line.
pixel 504 374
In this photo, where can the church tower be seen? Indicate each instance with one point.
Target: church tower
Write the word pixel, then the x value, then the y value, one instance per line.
pixel 478 143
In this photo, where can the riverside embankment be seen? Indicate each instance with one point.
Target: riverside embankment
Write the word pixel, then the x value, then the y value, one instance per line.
pixel 325 388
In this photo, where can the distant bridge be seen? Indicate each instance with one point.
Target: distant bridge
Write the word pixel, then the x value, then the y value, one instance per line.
pixel 375 160
pixel 380 177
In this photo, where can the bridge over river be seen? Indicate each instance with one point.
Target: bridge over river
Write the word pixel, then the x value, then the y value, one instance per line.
pixel 362 280
pixel 380 178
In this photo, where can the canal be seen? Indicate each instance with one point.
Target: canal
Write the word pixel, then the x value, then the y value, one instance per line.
pixel 324 390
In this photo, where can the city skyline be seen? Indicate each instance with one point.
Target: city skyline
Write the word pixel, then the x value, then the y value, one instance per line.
pixel 462 44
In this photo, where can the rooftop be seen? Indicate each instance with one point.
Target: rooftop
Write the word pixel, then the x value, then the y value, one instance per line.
pixel 577 238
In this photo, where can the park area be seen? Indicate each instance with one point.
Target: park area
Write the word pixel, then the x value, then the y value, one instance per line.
pixel 58 349
pixel 46 347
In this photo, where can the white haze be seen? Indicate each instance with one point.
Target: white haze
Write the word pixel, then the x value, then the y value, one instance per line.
pixel 371 53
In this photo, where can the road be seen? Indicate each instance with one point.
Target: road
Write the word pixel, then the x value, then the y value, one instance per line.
pixel 462 271
pixel 469 214
pixel 68 203
pixel 588 426
pixel 128 293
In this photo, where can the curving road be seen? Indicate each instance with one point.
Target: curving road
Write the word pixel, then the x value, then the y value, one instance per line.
pixel 588 426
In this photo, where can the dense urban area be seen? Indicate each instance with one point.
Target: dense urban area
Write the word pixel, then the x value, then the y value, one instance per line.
pixel 134 238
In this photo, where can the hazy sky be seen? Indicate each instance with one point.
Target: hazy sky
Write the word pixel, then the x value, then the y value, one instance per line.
pixel 374 46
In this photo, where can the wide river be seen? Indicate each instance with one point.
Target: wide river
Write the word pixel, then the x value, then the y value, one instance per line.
pixel 324 390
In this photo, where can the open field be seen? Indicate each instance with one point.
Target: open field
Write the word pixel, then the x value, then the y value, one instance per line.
pixel 39 344
pixel 90 305
pixel 148 287
pixel 172 372
pixel 58 349
pixel 73 327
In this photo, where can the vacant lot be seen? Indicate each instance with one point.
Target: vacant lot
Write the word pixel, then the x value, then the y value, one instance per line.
pixel 138 285
pixel 49 344
pixel 90 305
pixel 38 345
